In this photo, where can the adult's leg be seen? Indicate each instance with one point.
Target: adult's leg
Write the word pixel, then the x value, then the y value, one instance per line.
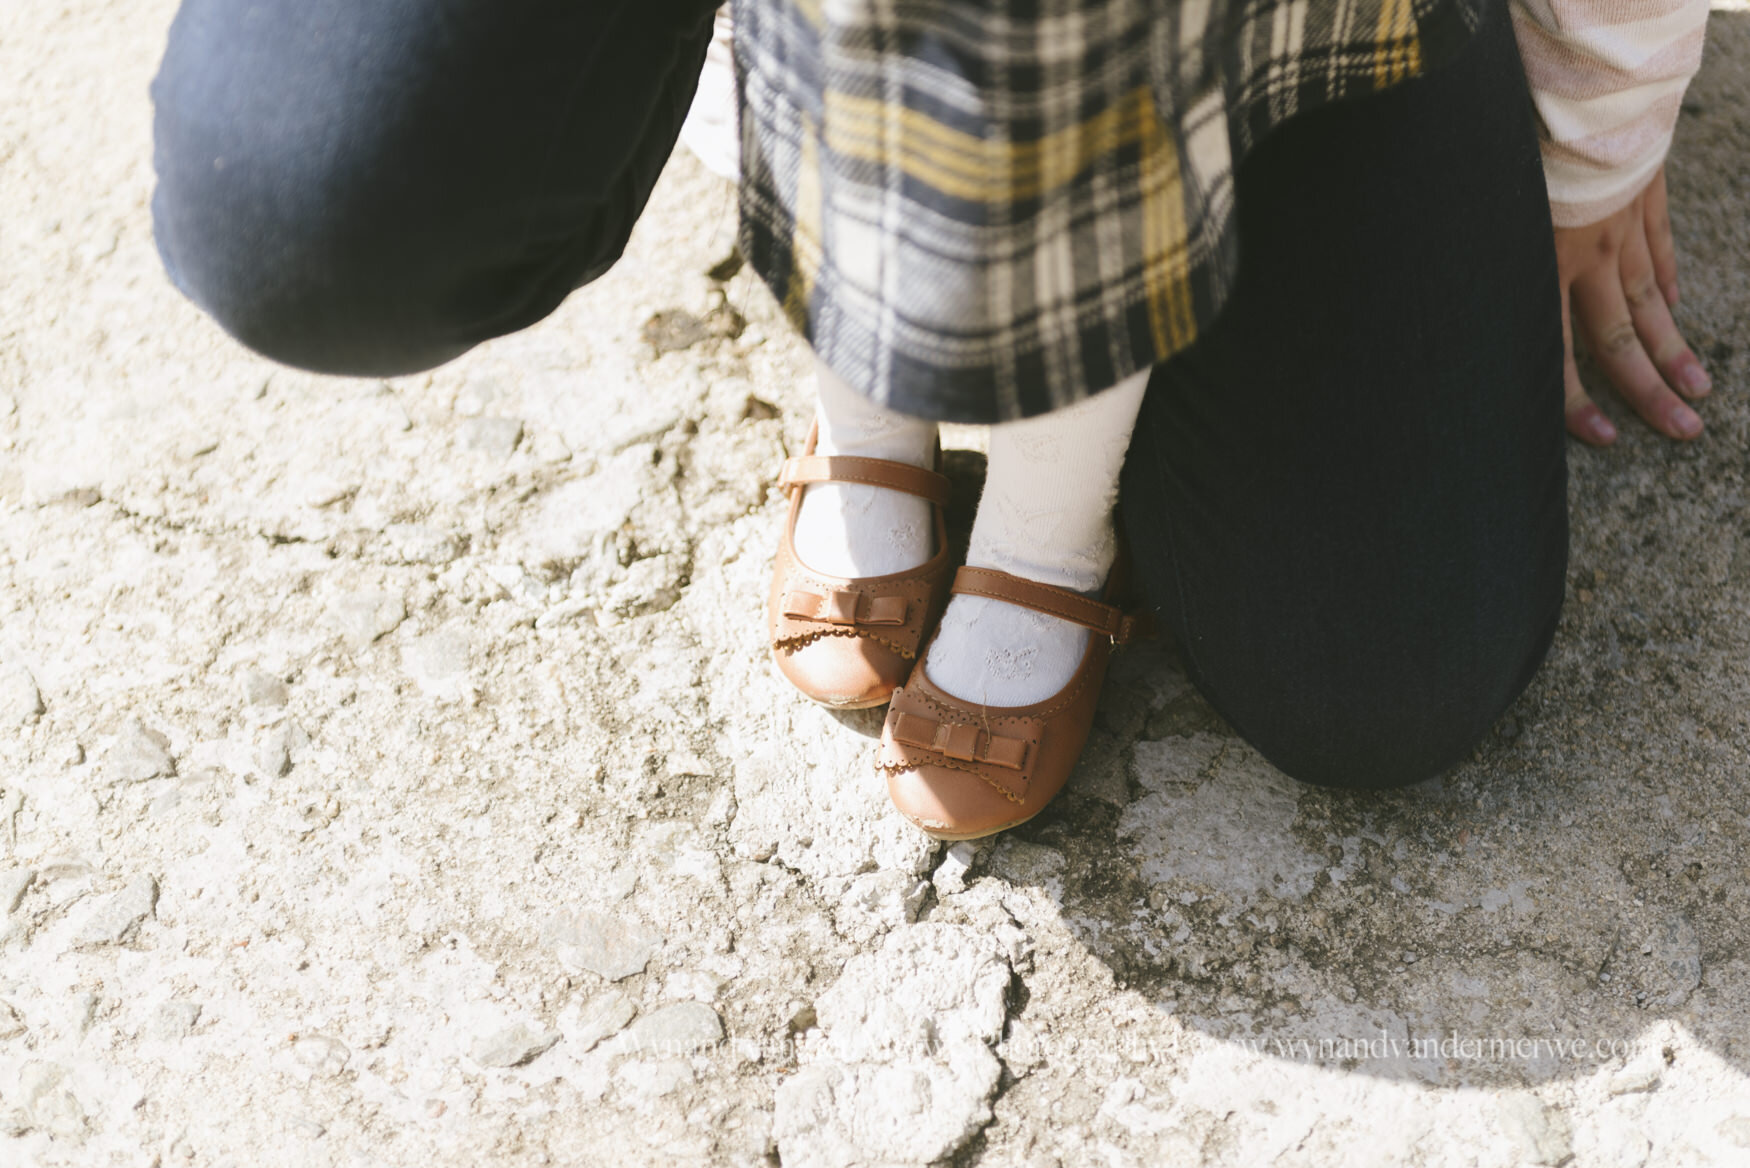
pixel 375 186
pixel 1348 499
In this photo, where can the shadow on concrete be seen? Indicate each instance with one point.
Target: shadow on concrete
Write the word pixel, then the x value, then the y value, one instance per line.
pixel 1581 878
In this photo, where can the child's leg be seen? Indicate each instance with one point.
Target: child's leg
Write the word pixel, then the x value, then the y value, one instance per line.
pixel 710 130
pixel 1046 515
pixel 847 529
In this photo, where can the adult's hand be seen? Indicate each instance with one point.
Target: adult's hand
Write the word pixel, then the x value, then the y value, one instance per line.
pixel 1619 284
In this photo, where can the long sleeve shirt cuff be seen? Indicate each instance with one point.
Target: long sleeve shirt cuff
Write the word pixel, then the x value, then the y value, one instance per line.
pixel 1607 78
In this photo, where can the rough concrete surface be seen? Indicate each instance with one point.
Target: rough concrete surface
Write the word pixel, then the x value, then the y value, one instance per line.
pixel 392 773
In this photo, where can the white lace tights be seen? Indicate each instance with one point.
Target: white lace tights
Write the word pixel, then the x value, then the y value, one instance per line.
pixel 1046 515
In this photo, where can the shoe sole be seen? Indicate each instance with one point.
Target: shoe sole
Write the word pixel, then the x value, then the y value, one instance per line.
pixel 866 704
pixel 957 836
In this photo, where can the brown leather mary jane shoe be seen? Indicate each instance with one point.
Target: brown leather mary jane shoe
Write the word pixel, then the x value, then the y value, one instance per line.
pixel 849 642
pixel 961 771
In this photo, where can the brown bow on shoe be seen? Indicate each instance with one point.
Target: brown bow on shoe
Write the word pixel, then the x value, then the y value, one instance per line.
pixel 849 642
pixel 842 606
pixel 960 771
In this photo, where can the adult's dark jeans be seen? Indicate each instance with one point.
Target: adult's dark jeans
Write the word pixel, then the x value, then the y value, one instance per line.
pixel 373 187
pixel 1347 499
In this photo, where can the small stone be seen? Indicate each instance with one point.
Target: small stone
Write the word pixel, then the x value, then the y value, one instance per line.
pixel 363 617
pixel 438 661
pixel 889 899
pixel 46 1097
pixel 174 1020
pixel 603 1016
pixel 74 497
pixel 514 1045
pixel 20 699
pixel 653 1080
pixel 678 1030
pixel 73 755
pixel 548 447
pixel 275 757
pixel 13 885
pixel 137 754
pixel 651 585
pixel 758 850
pixel 1540 1131
pixel 475 396
pixel 602 944
pixel 261 688
pixel 320 1055
pixel 116 919
pixel 950 874
pixel 68 868
pixel 1634 1079
pixel 11 803
pixel 422 543
pixel 1410 957
pixel 493 437
pixel 698 984
pixel 516 583
pixel 674 329
pixel 85 1012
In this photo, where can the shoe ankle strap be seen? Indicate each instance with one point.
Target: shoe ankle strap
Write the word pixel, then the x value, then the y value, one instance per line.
pixel 804 469
pixel 1106 619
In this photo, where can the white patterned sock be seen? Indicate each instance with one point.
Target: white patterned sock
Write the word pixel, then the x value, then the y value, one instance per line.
pixel 1046 515
pixel 849 529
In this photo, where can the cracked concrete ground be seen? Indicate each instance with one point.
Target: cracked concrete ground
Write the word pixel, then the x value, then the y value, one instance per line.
pixel 392 773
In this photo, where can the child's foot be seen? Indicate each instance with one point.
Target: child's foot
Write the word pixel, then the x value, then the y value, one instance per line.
pixel 863 569
pixel 849 529
pixel 1046 516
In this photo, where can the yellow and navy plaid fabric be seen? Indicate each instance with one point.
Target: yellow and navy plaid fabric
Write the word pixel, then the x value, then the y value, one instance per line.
pixel 980 210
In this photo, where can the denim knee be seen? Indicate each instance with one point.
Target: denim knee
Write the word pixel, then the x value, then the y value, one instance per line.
pixel 1374 723
pixel 278 238
pixel 337 198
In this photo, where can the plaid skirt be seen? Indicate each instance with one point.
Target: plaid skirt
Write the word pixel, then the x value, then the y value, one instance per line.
pixel 981 210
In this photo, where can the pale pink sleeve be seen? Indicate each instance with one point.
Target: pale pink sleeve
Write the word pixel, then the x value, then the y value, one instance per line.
pixel 1607 77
